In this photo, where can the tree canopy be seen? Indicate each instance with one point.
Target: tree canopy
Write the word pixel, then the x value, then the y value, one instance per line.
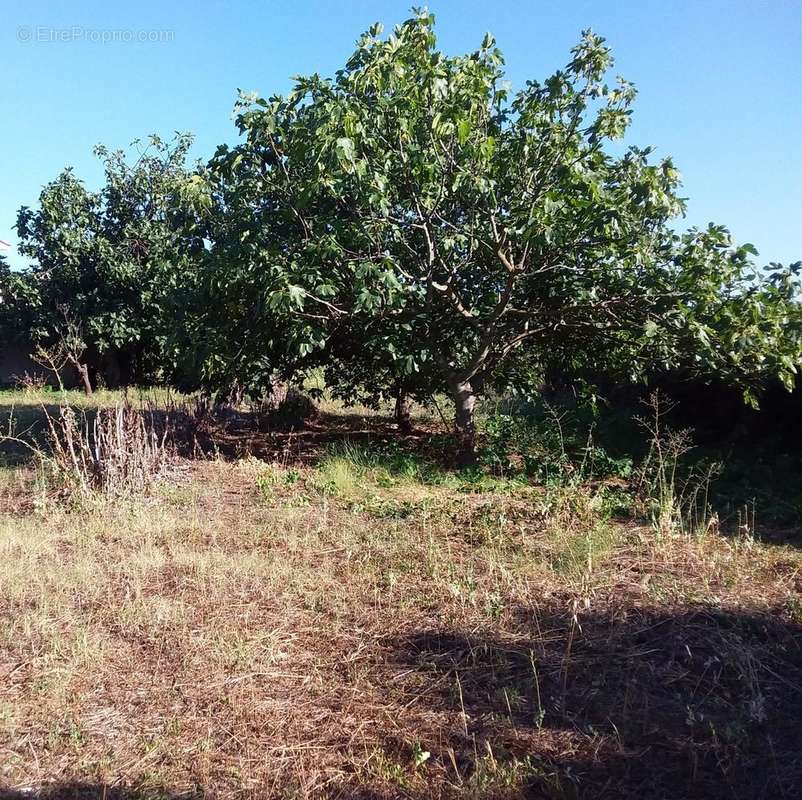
pixel 413 226
pixel 411 216
pixel 114 262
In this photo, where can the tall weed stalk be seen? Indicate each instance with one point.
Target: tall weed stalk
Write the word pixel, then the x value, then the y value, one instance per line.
pixel 118 451
pixel 676 500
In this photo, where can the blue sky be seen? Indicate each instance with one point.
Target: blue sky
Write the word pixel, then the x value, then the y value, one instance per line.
pixel 720 84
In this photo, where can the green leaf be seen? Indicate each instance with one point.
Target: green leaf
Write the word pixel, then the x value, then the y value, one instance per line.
pixel 296 295
pixel 345 149
pixel 463 130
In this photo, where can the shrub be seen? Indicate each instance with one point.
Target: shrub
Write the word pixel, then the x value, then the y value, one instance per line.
pixel 674 495
pixel 550 447
pixel 30 383
pixel 118 451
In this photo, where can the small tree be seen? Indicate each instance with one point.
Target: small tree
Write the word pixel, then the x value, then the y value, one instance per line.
pixel 445 224
pixel 114 261
pixel 67 348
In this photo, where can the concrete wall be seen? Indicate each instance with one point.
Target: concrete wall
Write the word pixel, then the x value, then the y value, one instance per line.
pixel 15 362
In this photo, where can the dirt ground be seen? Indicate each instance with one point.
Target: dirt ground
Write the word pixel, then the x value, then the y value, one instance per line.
pixel 309 627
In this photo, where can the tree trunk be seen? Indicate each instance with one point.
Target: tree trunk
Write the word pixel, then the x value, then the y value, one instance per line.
pixel 402 411
pixel 278 393
pixel 83 371
pixel 465 428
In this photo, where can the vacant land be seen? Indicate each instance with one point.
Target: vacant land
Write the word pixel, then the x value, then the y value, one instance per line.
pixel 353 620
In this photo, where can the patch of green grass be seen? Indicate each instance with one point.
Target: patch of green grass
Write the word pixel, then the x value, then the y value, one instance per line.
pixel 492 775
pixel 102 398
pixel 385 768
pixel 339 475
pixel 579 552
pixel 268 478
pixel 346 468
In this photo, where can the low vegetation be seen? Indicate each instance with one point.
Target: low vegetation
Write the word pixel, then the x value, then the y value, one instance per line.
pixel 324 612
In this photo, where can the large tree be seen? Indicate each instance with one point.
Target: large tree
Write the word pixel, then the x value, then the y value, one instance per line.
pixel 114 263
pixel 410 211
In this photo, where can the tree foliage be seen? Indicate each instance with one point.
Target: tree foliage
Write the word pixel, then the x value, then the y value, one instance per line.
pixel 17 298
pixel 116 259
pixel 412 218
pixel 414 226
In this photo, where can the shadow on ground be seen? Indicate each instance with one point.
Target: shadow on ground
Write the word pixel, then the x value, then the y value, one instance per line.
pixel 610 702
pixel 197 432
pixel 616 703
pixel 95 791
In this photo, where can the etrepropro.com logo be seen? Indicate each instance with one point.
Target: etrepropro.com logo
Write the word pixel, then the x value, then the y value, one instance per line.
pixel 77 33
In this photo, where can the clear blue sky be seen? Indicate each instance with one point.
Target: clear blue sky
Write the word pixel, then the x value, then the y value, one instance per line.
pixel 720 84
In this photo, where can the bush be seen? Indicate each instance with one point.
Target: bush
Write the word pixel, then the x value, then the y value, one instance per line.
pixel 30 383
pixel 547 446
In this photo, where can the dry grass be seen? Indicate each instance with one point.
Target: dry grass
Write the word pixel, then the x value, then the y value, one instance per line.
pixel 281 630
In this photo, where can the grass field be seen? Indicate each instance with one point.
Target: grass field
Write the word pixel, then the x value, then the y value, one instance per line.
pixel 350 620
